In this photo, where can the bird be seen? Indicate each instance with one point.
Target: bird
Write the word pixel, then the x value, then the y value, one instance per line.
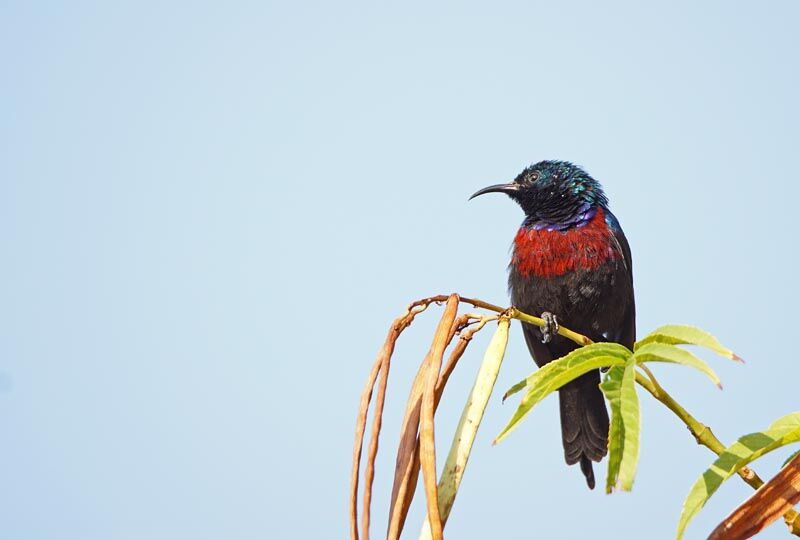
pixel 571 262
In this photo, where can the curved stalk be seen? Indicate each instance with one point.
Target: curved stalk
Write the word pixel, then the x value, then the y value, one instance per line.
pixel 705 437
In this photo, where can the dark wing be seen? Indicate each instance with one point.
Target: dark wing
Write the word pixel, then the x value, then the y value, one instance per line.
pixel 627 331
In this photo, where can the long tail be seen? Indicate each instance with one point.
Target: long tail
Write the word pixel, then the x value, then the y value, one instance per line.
pixel 584 423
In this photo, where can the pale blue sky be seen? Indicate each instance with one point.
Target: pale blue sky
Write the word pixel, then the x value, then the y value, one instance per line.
pixel 210 213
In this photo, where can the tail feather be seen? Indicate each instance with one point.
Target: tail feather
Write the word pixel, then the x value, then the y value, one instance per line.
pixel 588 472
pixel 584 423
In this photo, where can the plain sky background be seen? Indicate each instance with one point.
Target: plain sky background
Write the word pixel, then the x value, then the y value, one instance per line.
pixel 210 213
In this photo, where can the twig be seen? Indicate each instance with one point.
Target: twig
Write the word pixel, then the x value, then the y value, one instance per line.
pixel 514 313
pixel 705 437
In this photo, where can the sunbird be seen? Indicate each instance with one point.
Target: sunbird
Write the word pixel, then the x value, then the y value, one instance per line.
pixel 571 263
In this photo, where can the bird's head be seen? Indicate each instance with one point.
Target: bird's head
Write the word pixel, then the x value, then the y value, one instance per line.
pixel 553 194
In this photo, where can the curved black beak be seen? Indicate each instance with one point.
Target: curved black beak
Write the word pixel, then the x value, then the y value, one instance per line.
pixel 508 189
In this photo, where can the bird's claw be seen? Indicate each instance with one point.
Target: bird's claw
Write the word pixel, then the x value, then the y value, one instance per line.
pixel 550 327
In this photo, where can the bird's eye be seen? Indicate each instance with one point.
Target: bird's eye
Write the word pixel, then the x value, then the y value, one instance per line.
pixel 534 176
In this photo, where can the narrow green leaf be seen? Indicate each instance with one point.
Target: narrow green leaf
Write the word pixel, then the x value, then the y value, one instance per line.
pixel 629 412
pixel 516 388
pixel 576 356
pixel 661 352
pixel 556 374
pixel 790 458
pixel 748 448
pixel 616 433
pixel 680 334
pixel 619 388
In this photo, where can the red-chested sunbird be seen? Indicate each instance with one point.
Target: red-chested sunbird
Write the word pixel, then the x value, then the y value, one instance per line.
pixel 571 262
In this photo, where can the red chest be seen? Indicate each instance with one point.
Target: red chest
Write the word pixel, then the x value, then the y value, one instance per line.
pixel 553 253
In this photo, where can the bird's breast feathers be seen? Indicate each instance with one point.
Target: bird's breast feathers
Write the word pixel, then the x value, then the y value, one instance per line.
pixel 550 253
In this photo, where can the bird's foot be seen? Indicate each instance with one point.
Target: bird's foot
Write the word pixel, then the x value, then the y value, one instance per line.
pixel 550 327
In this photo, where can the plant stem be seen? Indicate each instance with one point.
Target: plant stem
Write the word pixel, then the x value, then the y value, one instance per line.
pixel 704 436
pixel 514 313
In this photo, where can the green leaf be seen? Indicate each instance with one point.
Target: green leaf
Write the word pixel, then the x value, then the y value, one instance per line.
pixel 516 388
pixel 574 357
pixel 661 352
pixel 790 458
pixel 616 434
pixel 748 448
pixel 619 388
pixel 559 372
pixel 629 412
pixel 680 334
